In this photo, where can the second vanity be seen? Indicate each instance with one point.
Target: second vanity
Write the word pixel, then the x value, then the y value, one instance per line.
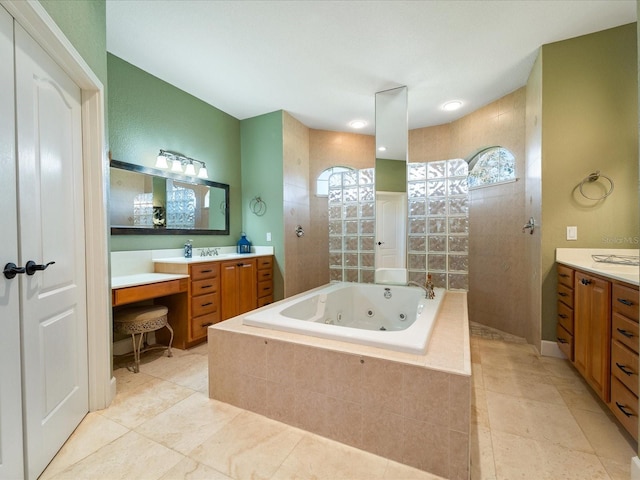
pixel 597 326
pixel 198 291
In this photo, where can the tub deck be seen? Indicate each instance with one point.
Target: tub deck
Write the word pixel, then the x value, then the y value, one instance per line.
pixel 410 408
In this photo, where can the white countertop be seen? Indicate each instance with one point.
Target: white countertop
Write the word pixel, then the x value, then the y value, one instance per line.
pixel 580 258
pixel 143 279
pixel 213 258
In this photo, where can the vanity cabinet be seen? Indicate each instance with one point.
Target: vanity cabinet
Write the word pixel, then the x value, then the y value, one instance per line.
pixel 591 331
pixel 624 356
pixel 598 329
pixel 564 328
pixel 190 319
pixel 239 286
pixel 265 281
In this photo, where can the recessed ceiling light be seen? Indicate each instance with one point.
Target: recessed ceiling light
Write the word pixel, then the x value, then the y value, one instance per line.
pixel 452 105
pixel 382 148
pixel 357 124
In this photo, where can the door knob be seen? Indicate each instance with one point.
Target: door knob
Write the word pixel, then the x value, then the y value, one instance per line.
pixel 32 267
pixel 380 243
pixel 11 270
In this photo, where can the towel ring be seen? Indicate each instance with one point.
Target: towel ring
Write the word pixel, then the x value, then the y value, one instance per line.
pixel 257 206
pixel 593 177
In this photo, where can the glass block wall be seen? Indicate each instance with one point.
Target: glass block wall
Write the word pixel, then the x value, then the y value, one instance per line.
pixel 352 226
pixel 438 223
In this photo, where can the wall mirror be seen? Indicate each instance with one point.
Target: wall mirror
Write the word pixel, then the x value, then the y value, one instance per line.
pixel 392 141
pixel 148 201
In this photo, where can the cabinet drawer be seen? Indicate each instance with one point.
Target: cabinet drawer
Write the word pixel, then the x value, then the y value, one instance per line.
pixel 624 365
pixel 565 317
pixel 199 324
pixel 624 406
pixel 565 341
pixel 125 295
pixel 265 288
pixel 625 300
pixel 565 295
pixel 262 301
pixel 201 287
pixel 204 304
pixel 565 275
pixel 265 263
pixel 265 275
pixel 204 270
pixel 624 331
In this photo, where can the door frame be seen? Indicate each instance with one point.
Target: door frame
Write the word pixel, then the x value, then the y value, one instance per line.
pixel 32 16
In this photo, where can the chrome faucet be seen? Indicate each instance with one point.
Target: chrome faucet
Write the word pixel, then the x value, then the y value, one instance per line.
pixel 428 291
pixel 208 252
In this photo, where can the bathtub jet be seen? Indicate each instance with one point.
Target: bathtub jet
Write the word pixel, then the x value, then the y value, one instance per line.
pixel 357 313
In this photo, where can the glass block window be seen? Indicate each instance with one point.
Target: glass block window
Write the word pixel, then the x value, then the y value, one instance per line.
pixel 491 165
pixel 352 219
pixel 438 238
pixel 322 183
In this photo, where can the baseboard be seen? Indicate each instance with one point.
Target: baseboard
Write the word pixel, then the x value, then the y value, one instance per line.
pixel 635 468
pixel 551 349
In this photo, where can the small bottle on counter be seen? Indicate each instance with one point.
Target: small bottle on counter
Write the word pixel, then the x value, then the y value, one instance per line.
pixel 188 249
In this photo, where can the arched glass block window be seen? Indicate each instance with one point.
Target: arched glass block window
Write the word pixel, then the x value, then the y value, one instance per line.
pixel 322 183
pixel 491 165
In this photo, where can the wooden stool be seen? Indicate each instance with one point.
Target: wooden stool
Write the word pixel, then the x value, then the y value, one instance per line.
pixel 138 321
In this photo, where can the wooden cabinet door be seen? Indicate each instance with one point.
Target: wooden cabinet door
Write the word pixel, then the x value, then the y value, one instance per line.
pixel 592 333
pixel 238 287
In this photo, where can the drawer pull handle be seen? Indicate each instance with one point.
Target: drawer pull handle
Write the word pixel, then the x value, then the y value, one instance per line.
pixel 561 340
pixel 206 271
pixel 207 304
pixel 562 294
pixel 204 325
pixel 565 275
pixel 585 281
pixel 206 286
pixel 625 333
pixel 624 369
pixel 626 302
pixel 622 409
pixel 562 315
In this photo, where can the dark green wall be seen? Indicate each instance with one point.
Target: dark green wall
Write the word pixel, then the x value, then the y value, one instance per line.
pixel 262 175
pixel 85 25
pixel 147 114
pixel 391 175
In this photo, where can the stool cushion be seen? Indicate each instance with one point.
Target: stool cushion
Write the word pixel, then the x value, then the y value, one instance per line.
pixel 140 319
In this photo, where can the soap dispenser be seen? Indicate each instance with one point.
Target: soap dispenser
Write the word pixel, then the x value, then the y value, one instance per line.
pixel 244 245
pixel 188 249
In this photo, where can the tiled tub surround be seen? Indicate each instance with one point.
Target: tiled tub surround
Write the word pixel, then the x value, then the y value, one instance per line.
pixel 414 409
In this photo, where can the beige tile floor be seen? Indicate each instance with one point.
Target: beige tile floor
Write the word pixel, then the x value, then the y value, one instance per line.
pixel 532 418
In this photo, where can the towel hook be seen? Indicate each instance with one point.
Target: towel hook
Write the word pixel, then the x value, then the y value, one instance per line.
pixel 594 177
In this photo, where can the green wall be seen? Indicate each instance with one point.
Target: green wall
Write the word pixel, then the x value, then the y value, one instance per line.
pixel 262 175
pixel 147 114
pixel 85 25
pixel 391 175
pixel 590 122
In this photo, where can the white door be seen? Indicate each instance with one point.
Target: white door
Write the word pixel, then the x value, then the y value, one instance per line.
pixel 391 218
pixel 51 219
pixel 11 464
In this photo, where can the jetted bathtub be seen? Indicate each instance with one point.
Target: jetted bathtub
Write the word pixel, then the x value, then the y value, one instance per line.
pixel 398 318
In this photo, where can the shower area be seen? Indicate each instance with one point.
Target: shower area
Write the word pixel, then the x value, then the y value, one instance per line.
pixel 437 240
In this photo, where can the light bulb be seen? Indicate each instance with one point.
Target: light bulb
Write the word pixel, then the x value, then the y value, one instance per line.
pixel 161 161
pixel 203 172
pixel 176 166
pixel 190 169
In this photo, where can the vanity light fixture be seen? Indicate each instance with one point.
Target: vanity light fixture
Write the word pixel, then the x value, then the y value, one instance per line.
pixel 180 162
pixel 357 124
pixel 452 105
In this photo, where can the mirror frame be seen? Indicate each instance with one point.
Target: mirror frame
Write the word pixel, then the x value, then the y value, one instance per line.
pixel 174 176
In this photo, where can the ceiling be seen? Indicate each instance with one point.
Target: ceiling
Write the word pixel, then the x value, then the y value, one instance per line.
pixel 323 61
